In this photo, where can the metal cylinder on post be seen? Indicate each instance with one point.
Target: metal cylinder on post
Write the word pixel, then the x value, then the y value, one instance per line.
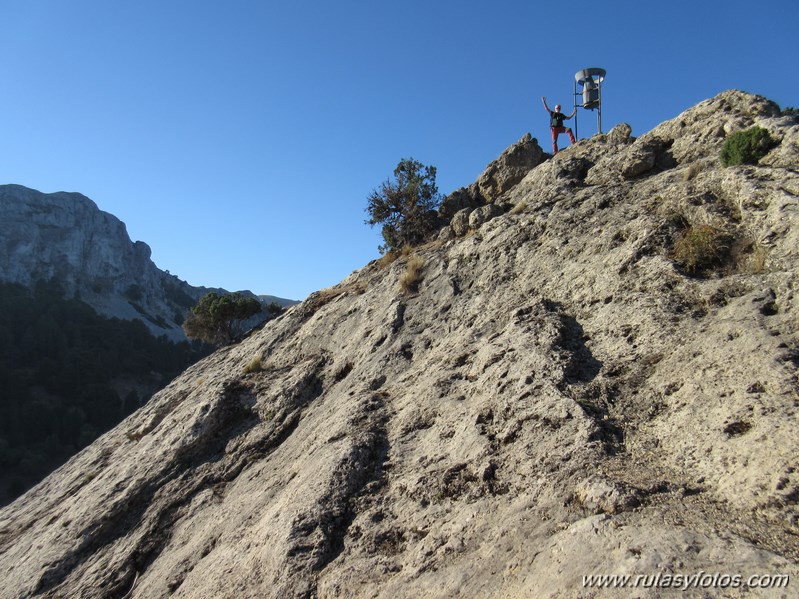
pixel 591 81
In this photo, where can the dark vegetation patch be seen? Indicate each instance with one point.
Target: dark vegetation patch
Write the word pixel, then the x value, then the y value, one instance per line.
pixel 737 428
pixel 67 375
pixel 746 147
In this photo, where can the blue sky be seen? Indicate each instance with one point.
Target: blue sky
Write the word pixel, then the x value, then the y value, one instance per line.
pixel 240 139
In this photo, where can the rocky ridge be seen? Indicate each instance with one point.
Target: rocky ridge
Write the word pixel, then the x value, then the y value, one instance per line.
pixel 66 237
pixel 554 397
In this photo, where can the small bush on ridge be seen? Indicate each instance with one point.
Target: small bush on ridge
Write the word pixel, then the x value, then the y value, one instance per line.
pixel 746 147
pixel 405 207
pixel 218 319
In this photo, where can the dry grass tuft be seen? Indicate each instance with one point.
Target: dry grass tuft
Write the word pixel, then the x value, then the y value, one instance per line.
pixel 255 365
pixel 701 248
pixel 410 279
pixel 519 208
pixel 387 259
pixel 692 171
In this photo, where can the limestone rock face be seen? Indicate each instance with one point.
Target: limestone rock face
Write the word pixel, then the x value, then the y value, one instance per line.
pixel 510 168
pixel 558 398
pixel 460 222
pixel 468 208
pixel 484 214
pixel 65 236
pixel 460 199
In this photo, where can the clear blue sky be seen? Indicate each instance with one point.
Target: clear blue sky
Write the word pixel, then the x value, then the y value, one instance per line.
pixel 240 139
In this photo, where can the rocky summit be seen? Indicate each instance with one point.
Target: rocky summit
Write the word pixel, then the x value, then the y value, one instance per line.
pixel 556 390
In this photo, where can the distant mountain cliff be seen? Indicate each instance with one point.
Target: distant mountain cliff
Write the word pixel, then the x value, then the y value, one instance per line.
pixel 591 371
pixel 66 237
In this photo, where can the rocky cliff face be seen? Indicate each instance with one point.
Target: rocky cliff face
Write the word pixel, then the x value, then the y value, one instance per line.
pixel 64 236
pixel 554 397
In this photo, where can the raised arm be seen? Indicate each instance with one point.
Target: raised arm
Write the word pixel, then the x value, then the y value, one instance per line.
pixel 544 100
pixel 573 113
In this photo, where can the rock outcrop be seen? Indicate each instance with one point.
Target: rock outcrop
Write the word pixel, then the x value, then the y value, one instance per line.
pixel 510 168
pixel 558 398
pixel 469 207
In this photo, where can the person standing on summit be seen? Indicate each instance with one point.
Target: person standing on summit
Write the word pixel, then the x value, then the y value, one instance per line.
pixel 556 118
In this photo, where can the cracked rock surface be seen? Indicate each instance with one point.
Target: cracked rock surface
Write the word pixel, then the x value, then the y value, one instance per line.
pixel 559 397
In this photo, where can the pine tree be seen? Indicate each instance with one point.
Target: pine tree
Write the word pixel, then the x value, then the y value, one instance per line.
pixel 406 206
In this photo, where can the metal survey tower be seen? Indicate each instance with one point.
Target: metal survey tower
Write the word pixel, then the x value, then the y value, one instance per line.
pixel 590 95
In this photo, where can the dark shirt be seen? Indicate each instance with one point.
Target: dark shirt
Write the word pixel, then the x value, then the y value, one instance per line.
pixel 556 119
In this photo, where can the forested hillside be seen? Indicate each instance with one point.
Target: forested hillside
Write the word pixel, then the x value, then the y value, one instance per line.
pixel 67 375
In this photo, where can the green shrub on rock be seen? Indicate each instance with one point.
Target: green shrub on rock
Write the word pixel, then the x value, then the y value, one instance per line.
pixel 746 147
pixel 218 319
